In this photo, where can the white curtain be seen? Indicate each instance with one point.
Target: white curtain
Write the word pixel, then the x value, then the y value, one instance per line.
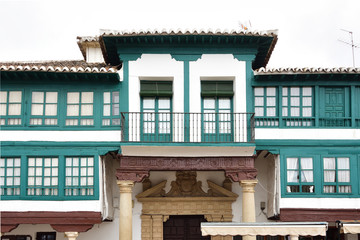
pixel 292 173
pixel 344 174
pixel 307 170
pixel 329 174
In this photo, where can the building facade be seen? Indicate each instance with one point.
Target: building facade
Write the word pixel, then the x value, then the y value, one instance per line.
pixel 156 132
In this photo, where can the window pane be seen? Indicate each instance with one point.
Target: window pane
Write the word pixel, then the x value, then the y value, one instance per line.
pixel 2 109
pixel 329 163
pixel 292 163
pixel 224 103
pixel 87 97
pixel 116 110
pixel 307 176
pixel 344 176
pixel 259 101
pixel 271 91
pixel 307 101
pixel 343 163
pixel 295 91
pixel 271 112
pixel 270 101
pixel 164 103
pixel 306 163
pixel 73 97
pixel 51 109
pixel 209 103
pixel 295 101
pixel 51 97
pixel 284 101
pixel 149 103
pixel 106 97
pixel 14 109
pixel 259 112
pixel 285 91
pixel 307 91
pixel 295 112
pixel 329 176
pixel 259 91
pixel 284 111
pixel 37 97
pixel 3 96
pixel 37 109
pixel 115 96
pixel 307 112
pixel 106 110
pixel 72 110
pixel 86 110
pixel 14 96
pixel 292 176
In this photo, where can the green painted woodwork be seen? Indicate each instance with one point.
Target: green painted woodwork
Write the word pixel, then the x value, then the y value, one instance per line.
pixel 217 89
pixel 37 157
pixel 318 168
pixel 62 89
pixel 156 88
pixel 188 44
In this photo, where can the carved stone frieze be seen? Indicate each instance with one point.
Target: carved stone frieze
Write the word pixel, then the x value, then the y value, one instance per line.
pixel 186 185
pixel 136 168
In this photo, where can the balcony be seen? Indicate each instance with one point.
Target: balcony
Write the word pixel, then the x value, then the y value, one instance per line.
pixel 166 127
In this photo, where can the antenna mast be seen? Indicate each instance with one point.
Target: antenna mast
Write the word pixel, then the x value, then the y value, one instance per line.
pixel 351 44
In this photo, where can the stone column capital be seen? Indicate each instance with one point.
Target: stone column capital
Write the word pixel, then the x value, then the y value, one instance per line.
pixel 248 185
pixel 71 235
pixel 125 186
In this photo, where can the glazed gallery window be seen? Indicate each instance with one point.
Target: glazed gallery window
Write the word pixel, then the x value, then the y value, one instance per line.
pixel 79 109
pixel 10 108
pixel 300 175
pixel 42 177
pixel 79 176
pixel 10 169
pixel 336 175
pixel 297 102
pixel 217 115
pixel 44 108
pixel 265 101
pixel 111 109
pixel 156 115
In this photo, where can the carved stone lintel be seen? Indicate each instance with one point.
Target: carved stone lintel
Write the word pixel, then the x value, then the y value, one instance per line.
pixel 72 227
pixel 136 176
pixel 248 174
pixel 8 227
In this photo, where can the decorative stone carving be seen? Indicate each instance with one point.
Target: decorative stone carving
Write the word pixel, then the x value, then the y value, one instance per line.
pixel 186 185
pixel 146 184
pixel 135 176
pixel 227 184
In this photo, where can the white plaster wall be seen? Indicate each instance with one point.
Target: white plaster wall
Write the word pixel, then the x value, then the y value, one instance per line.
pixel 331 203
pixel 156 65
pixel 302 133
pixel 94 55
pixel 61 136
pixel 221 66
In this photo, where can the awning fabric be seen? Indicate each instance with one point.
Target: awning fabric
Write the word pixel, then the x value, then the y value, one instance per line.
pixel 156 88
pixel 217 89
pixel 264 229
pixel 351 228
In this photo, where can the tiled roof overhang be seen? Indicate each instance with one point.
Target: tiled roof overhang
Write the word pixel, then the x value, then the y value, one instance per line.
pixel 307 74
pixel 64 69
pixel 212 41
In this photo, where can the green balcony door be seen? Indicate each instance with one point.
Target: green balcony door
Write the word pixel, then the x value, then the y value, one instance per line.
pixel 336 107
pixel 217 119
pixel 156 119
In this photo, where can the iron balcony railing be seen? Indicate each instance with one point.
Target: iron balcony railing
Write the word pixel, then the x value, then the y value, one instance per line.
pixel 170 127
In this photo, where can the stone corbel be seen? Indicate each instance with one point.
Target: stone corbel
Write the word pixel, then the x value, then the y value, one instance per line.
pixel 135 176
pixel 237 176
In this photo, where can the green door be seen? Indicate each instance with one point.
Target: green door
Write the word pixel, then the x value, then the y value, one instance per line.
pixel 335 108
pixel 217 119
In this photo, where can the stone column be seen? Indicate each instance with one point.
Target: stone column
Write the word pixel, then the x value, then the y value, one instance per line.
pixel 248 203
pixel 157 221
pixel 71 235
pixel 294 237
pixel 125 209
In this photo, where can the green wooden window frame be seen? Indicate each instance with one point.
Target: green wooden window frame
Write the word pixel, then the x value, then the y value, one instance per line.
pixel 357 106
pixel 300 177
pixel 44 180
pixel 156 119
pixel 297 106
pixel 111 108
pixel 80 108
pixel 44 108
pixel 11 108
pixel 266 106
pixel 10 171
pixel 79 176
pixel 336 175
pixel 217 119
pixel 42 176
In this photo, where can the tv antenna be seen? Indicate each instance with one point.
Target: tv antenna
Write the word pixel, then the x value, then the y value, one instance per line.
pixel 351 44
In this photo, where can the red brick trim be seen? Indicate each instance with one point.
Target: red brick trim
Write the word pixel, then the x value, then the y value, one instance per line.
pixel 60 221
pixel 317 215
pixel 136 168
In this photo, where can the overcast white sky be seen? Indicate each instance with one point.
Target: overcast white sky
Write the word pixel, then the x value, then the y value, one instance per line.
pixel 308 29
